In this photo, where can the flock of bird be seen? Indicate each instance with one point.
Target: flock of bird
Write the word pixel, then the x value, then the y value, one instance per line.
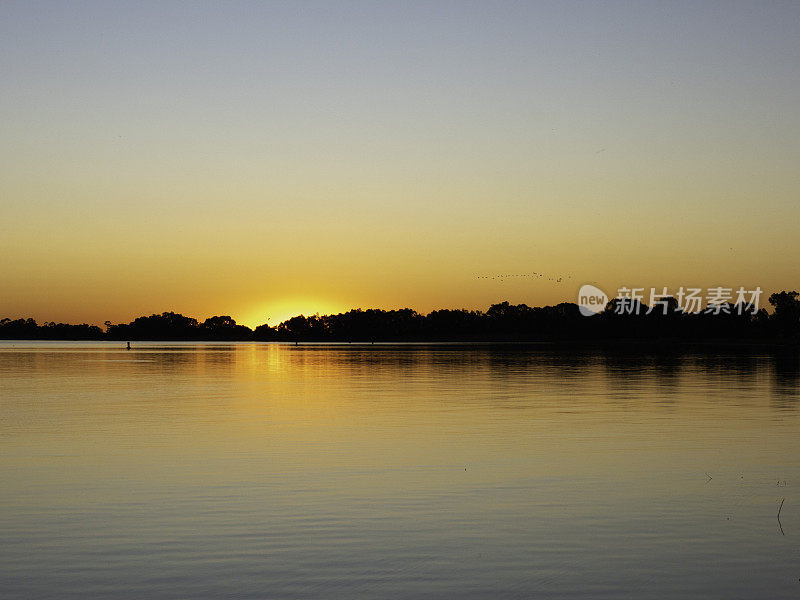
pixel 534 275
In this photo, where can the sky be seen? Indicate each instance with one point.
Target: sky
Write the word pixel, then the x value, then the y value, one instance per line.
pixel 265 159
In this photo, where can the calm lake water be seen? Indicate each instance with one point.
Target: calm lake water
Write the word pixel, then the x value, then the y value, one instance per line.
pixel 317 471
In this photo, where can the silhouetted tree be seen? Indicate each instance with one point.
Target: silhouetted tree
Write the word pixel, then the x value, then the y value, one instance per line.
pixel 223 328
pixel 166 326
pixel 786 317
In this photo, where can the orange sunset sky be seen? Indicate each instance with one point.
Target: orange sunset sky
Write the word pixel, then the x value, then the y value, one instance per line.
pixel 267 159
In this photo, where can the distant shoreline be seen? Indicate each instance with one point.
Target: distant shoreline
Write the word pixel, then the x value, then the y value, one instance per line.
pixel 622 323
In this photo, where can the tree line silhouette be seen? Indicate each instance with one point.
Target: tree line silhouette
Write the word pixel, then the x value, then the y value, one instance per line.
pixel 501 322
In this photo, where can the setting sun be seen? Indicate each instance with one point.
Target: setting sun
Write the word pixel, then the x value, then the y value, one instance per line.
pixel 279 310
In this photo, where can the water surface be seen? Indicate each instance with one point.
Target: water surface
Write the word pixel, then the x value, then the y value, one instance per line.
pixel 439 471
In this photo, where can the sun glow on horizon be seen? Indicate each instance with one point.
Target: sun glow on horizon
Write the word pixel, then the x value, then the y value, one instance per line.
pixel 275 312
